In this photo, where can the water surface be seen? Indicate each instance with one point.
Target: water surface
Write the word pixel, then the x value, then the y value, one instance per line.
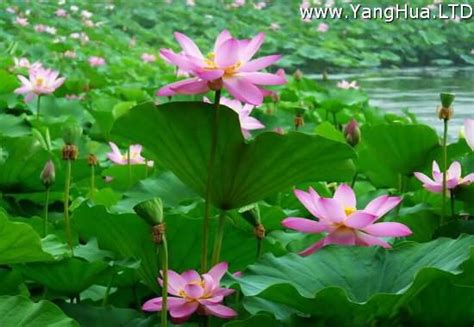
pixel 418 90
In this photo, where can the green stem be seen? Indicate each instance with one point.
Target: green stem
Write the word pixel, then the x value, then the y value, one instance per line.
pixel 216 254
pixel 67 187
pixel 401 188
pixel 259 247
pixel 401 184
pixel 354 180
pixel 129 164
pixel 453 206
pixel 46 213
pixel 107 291
pixel 92 182
pixel 164 303
pixel 38 108
pixel 207 204
pixel 445 168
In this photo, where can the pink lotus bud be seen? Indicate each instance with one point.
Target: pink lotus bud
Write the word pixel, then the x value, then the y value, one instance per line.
pixel 352 133
pixel 48 175
pixel 298 75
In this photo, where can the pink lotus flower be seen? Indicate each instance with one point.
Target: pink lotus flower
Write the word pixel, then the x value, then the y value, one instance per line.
pixel 192 292
pixel 50 30
pixel 25 63
pixel 70 54
pixel 274 26
pixel 347 85
pixel 344 223
pixel 41 81
pixel 469 132
pixel 21 21
pixel 86 14
pixel 305 4
pixel 96 61
pixel 260 5
pixel 179 72
pixel 80 36
pixel 89 23
pixel 323 28
pixel 229 66
pixel 61 13
pixel 247 122
pixel 122 159
pixel 146 57
pixel 40 28
pixel 453 178
pixel 238 3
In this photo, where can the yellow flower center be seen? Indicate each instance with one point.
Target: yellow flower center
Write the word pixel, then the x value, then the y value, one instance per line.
pixel 39 82
pixel 349 211
pixel 198 282
pixel 229 71
pixel 133 156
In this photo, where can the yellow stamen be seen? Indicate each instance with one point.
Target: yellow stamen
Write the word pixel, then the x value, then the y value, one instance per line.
pixel 349 210
pixel 198 283
pixel 229 71
pixel 39 82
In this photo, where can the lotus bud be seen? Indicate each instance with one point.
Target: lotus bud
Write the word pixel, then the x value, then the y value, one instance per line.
pixel 298 75
pixel 299 121
pixel 447 99
pixel 92 160
pixel 279 130
pixel 48 175
pixel 281 72
pixel 446 111
pixel 71 134
pixel 275 97
pixel 259 231
pixel 70 152
pixel 151 211
pixel 352 132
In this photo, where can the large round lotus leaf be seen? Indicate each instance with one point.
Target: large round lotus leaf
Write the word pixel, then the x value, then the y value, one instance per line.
pixel 70 276
pixel 20 311
pixel 341 283
pixel 19 243
pixel 179 134
pixel 388 151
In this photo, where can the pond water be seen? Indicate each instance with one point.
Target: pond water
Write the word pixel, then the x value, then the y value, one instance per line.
pixel 418 90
